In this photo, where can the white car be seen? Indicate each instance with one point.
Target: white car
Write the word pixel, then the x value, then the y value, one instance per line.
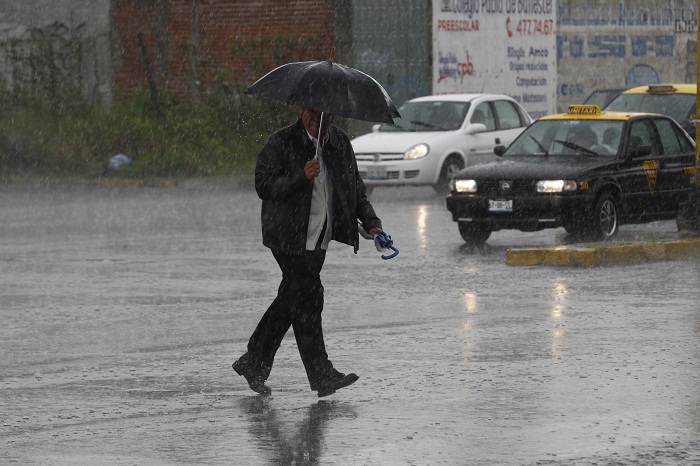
pixel 436 137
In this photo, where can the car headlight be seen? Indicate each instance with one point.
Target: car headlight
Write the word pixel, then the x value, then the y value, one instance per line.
pixel 463 186
pixel 417 152
pixel 556 186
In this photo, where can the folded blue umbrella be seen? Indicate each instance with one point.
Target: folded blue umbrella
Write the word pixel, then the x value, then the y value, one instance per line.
pixel 382 241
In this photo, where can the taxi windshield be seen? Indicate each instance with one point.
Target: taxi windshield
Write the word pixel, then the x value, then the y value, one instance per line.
pixel 429 116
pixel 677 106
pixel 569 137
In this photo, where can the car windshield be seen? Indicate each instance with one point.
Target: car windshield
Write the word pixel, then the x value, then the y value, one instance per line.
pixel 677 106
pixel 569 137
pixel 601 98
pixel 429 116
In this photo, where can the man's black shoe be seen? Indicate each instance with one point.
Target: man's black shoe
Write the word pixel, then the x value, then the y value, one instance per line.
pixel 255 382
pixel 335 382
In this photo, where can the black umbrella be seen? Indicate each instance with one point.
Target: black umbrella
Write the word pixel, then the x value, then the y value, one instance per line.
pixel 328 87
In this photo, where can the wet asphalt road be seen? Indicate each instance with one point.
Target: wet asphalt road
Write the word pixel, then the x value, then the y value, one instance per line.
pixel 122 310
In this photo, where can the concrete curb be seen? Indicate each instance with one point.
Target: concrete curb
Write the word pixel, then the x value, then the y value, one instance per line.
pixel 592 256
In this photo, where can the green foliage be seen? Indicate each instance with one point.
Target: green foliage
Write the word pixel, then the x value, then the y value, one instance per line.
pixel 64 135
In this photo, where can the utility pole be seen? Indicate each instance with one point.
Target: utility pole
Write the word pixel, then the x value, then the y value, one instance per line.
pixel 696 179
pixel 689 214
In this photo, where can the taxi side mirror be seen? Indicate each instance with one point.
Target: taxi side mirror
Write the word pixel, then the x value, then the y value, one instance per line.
pixel 639 151
pixel 476 128
pixel 499 150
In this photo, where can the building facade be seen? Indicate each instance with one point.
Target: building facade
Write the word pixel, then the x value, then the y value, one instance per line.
pixel 545 53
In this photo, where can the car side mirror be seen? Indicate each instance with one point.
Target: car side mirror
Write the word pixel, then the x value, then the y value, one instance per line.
pixel 499 150
pixel 639 151
pixel 376 127
pixel 476 128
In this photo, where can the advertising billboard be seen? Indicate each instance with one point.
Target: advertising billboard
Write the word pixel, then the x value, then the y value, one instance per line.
pixel 497 46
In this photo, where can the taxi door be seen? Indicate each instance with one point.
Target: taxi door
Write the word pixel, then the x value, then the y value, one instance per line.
pixel 673 179
pixel 639 174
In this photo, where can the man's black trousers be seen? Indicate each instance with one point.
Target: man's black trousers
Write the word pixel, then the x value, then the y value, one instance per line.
pixel 298 304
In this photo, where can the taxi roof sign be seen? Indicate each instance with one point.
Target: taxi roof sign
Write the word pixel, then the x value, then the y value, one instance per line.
pixel 583 110
pixel 661 89
pixel 671 88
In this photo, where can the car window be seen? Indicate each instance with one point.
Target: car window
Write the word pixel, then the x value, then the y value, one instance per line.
pixel 484 115
pixel 610 138
pixel 677 106
pixel 686 145
pixel 602 97
pixel 524 117
pixel 508 117
pixel 669 139
pixel 569 137
pixel 601 137
pixel 429 116
pixel 642 134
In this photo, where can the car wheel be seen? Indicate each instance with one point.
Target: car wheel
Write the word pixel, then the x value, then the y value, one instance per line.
pixel 452 165
pixel 605 220
pixel 474 234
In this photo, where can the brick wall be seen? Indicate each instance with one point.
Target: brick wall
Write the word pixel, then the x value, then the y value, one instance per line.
pixel 195 45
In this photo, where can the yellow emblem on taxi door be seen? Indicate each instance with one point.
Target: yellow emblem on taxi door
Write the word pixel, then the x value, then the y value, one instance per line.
pixel 651 170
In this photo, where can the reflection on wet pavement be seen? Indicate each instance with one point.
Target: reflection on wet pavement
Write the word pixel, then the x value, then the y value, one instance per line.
pixel 305 444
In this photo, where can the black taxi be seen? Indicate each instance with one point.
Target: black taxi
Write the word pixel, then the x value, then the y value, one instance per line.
pixel 585 170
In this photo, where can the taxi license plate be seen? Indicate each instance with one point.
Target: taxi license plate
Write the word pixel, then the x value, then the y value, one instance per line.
pixel 500 205
pixel 376 173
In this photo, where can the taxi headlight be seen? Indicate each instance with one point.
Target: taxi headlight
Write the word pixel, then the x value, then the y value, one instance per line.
pixel 555 186
pixel 463 186
pixel 417 152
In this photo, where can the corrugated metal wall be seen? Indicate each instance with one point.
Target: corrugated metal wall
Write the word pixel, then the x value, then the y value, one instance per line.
pixel 392 43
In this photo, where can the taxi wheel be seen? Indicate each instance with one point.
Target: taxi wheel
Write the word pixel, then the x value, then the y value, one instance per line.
pixel 474 234
pixel 605 222
pixel 452 165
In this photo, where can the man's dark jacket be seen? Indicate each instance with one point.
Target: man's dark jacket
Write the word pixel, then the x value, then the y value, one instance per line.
pixel 281 183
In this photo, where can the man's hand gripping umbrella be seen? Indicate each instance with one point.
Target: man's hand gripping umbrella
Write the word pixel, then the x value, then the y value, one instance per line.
pixel 382 241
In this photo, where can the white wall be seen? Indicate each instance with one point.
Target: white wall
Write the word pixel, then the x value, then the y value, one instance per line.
pixel 549 54
pixel 497 46
pixel 624 44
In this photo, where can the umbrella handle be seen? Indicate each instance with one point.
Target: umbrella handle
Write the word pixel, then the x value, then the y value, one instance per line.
pixel 394 254
pixel 318 139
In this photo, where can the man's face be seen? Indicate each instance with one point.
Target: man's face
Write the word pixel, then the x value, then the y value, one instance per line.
pixel 312 119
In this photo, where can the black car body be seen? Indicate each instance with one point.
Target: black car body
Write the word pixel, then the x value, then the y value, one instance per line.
pixel 546 179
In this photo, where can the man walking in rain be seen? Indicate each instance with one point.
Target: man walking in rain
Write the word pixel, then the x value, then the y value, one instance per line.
pixel 307 201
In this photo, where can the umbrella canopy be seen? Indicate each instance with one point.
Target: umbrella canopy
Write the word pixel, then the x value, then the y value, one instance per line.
pixel 328 87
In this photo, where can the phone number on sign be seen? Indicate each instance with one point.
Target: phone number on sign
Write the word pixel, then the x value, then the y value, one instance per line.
pixel 530 27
